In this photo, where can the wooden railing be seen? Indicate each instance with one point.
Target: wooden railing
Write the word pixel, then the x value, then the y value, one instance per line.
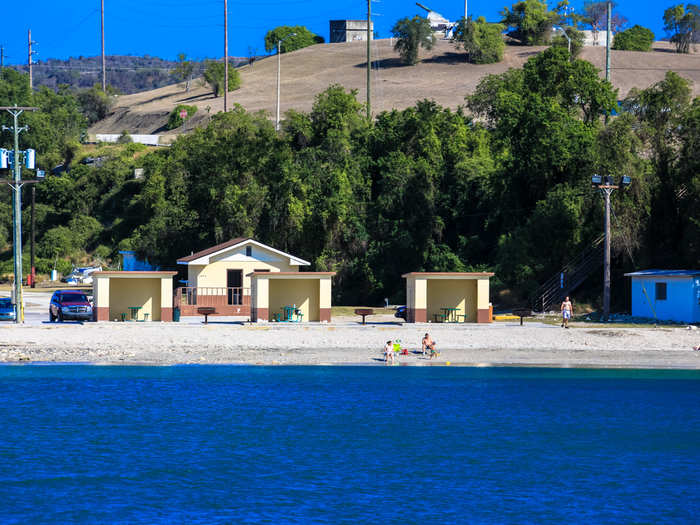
pixel 212 296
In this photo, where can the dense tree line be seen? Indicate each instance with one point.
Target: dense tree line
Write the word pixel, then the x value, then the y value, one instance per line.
pixel 501 184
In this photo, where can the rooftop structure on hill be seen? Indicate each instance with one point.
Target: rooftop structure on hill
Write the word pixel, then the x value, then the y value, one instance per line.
pixel 349 30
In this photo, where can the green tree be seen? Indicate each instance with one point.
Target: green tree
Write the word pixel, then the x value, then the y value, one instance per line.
pixel 184 70
pixel 94 104
pixel 482 41
pixel 412 33
pixel 636 38
pixel 214 76
pixel 576 38
pixel 302 38
pixel 531 22
pixel 683 23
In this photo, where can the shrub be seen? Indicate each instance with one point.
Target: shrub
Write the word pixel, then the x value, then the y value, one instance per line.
pixel 175 120
pixel 482 41
pixel 214 76
pixel 410 34
pixel 576 37
pixel 635 38
pixel 302 38
pixel 124 138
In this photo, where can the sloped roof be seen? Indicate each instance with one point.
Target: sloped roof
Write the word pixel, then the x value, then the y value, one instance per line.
pixel 664 273
pixel 238 241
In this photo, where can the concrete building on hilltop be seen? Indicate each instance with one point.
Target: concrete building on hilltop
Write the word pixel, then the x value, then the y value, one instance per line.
pixel 349 31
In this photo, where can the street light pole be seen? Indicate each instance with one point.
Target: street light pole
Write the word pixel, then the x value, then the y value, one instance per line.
pixel 606 255
pixel 279 69
pixel 607 185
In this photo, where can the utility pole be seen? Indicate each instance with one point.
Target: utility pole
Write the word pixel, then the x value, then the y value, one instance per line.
pixel 606 255
pixel 2 57
pixel 29 60
pixel 606 185
pixel 16 185
pixel 465 9
pixel 226 57
pixel 32 272
pixel 102 31
pixel 369 59
pixel 608 40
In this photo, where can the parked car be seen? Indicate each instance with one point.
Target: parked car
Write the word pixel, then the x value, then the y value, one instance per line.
pixel 69 304
pixel 7 309
pixel 400 312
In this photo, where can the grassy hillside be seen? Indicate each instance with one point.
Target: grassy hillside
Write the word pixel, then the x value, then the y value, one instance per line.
pixel 442 76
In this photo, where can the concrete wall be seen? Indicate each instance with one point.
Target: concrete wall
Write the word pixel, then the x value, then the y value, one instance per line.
pixel 682 302
pixel 444 293
pixel 304 293
pixel 126 292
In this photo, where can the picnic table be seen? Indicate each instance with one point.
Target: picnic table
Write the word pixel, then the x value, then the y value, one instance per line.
pixel 206 311
pixel 364 312
pixel 134 313
pixel 449 314
pixel 290 314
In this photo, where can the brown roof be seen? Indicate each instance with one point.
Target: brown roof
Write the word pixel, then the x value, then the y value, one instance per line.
pixel 448 274
pixel 291 274
pixel 213 249
pixel 146 273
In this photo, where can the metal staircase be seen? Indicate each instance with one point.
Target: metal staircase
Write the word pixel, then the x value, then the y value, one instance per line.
pixel 570 277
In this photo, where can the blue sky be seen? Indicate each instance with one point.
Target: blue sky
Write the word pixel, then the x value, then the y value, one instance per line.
pixel 164 28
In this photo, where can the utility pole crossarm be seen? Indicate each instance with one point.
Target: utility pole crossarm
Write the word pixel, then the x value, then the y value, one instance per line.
pixel 18 108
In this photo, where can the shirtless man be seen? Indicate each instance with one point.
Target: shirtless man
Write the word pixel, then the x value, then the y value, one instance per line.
pixel 567 310
pixel 428 344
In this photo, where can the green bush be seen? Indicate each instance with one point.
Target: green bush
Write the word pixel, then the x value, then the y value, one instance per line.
pixel 214 76
pixel 302 38
pixel 576 37
pixel 175 121
pixel 410 34
pixel 635 38
pixel 482 41
pixel 57 242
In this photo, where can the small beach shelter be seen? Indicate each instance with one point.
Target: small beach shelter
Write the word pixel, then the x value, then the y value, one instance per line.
pixel 137 295
pixel 309 293
pixel 666 295
pixel 429 294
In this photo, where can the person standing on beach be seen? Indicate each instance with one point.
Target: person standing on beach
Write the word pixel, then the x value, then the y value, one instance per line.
pixel 389 352
pixel 567 310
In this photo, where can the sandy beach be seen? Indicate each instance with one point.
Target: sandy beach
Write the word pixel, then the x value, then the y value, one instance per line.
pixel 345 341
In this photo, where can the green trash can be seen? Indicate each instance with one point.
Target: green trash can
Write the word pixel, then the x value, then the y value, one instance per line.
pixel 176 314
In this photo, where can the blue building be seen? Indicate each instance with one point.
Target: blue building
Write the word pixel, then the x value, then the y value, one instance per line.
pixel 666 295
pixel 130 263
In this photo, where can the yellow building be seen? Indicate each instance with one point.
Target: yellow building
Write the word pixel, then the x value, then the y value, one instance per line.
pixel 291 296
pixel 220 276
pixel 447 296
pixel 137 296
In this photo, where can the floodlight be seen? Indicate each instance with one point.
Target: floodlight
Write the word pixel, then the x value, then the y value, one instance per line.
pixel 4 159
pixel 596 180
pixel 40 174
pixel 609 180
pixel 625 181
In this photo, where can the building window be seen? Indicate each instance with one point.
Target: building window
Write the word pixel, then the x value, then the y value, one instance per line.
pixel 248 251
pixel 660 291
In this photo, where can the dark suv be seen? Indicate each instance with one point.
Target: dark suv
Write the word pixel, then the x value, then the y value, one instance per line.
pixel 70 304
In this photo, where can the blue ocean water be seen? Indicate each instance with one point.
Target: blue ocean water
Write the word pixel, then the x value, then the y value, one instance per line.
pixel 84 444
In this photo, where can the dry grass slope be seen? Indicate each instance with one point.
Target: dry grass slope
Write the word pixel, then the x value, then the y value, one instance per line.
pixel 442 76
